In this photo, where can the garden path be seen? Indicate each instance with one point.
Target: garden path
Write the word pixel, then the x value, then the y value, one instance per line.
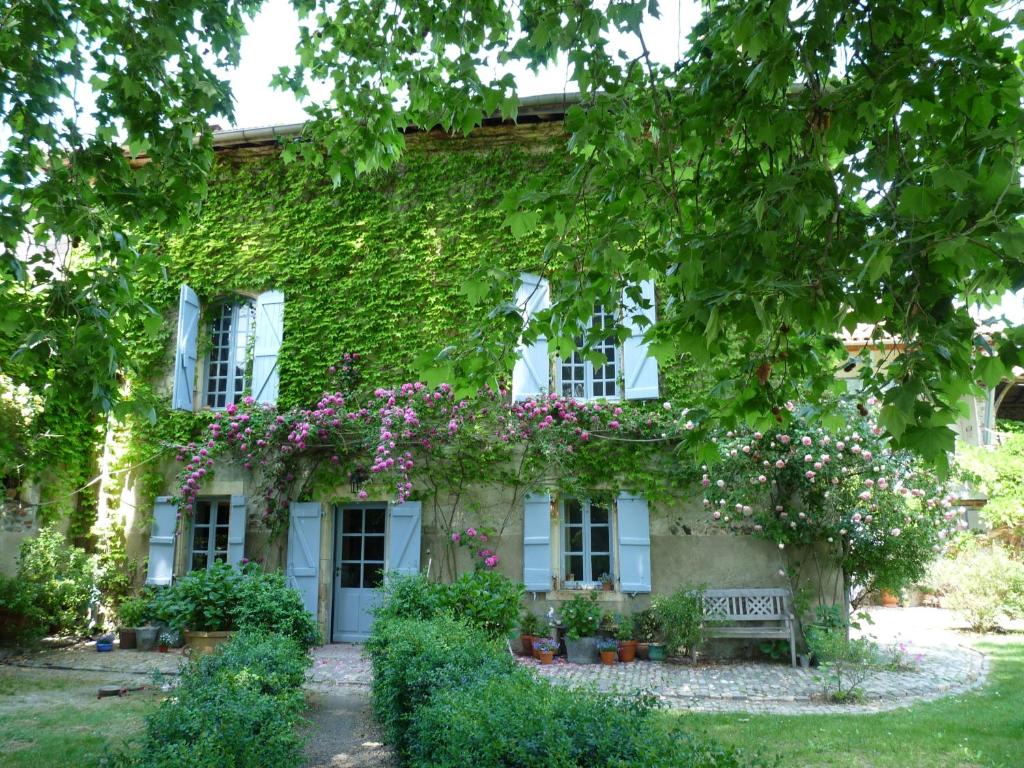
pixel 948 665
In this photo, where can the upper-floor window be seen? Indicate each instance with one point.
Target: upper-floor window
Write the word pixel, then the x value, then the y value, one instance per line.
pixel 586 541
pixel 227 363
pixel 580 377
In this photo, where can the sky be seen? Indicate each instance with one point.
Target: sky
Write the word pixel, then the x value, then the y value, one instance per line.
pixel 274 33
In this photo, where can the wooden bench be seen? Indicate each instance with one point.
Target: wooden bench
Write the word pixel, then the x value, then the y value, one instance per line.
pixel 751 613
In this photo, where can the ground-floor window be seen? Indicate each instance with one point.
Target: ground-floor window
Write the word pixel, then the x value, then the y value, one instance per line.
pixel 361 561
pixel 209 541
pixel 586 541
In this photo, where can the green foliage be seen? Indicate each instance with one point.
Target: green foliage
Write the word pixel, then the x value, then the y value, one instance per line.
pixel 648 625
pixel 64 576
pixel 780 178
pixel 71 195
pixel 414 659
pixel 115 571
pixel 625 627
pixel 681 617
pixel 224 598
pixel 409 596
pixel 22 618
pixel 133 612
pixel 998 471
pixel 581 616
pixel 237 707
pixel 845 663
pixel 485 599
pixel 447 697
pixel 983 584
pixel 531 624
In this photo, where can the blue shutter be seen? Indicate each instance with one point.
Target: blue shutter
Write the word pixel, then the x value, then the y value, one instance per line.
pixel 160 570
pixel 302 568
pixel 183 393
pixel 537 542
pixel 634 544
pixel 531 375
pixel 267 346
pixel 404 524
pixel 639 369
pixel 236 530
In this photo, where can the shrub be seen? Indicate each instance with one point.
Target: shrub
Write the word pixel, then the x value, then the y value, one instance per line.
pixel 236 708
pixel 414 658
pixel 64 577
pixel 409 596
pixel 21 618
pixel 531 624
pixel 846 663
pixel 681 617
pixel 485 599
pixel 224 598
pixel 266 603
pixel 133 612
pixel 581 616
pixel 981 583
pixel 647 626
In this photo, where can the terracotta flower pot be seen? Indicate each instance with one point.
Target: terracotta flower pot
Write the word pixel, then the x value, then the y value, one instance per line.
pixel 627 650
pixel 205 642
pixel 889 600
pixel 546 657
pixel 608 657
pixel 641 651
pixel 163 648
pixel 607 586
pixel 526 641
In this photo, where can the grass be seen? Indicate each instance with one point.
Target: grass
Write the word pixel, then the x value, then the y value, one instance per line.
pixel 981 729
pixel 53 718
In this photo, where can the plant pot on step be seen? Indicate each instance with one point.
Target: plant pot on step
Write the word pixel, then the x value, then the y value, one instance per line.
pixel 627 650
pixel 581 650
pixel 206 642
pixel 546 657
pixel 889 600
pixel 146 637
pixel 608 657
pixel 526 642
pixel 641 651
pixel 126 638
pixel 656 651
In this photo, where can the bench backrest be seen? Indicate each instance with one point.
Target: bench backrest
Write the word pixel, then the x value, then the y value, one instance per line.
pixel 747 604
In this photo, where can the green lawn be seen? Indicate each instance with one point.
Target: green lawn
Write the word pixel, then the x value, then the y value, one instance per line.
pixel 53 718
pixel 983 729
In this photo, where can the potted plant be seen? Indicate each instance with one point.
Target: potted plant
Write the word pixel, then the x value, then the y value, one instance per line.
pixel 131 614
pixel 166 641
pixel 544 648
pixel 203 605
pixel 625 632
pixel 105 643
pixel 581 617
pixel 607 647
pixel 530 628
pixel 681 617
pixel 607 582
pixel 646 630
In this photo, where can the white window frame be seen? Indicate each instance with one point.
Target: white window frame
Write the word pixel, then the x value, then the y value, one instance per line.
pixel 211 551
pixel 588 369
pixel 581 580
pixel 230 395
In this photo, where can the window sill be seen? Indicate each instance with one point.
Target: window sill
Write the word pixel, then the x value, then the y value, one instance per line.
pixel 603 596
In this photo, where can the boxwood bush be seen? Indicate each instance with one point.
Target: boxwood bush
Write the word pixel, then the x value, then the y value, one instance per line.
pixel 236 708
pixel 447 695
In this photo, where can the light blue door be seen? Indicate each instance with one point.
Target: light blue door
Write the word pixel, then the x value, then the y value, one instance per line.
pixel 358 569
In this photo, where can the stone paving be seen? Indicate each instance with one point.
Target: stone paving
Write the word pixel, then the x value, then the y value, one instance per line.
pixel 947 665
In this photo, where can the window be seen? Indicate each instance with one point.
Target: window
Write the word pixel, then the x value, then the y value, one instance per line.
pixel 209 533
pixel 586 541
pixel 226 380
pixel 580 378
pixel 362 547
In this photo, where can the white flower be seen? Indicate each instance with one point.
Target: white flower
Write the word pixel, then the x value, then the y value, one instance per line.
pixel 667 406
